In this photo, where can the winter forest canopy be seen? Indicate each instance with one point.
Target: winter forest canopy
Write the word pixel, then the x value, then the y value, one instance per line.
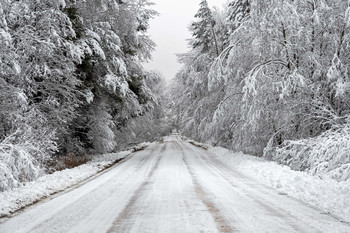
pixel 269 78
pixel 71 82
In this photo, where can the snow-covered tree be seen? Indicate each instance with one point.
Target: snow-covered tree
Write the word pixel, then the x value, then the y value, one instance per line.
pixel 70 78
pixel 282 77
pixel 238 10
pixel 40 83
pixel 203 29
pixel 114 41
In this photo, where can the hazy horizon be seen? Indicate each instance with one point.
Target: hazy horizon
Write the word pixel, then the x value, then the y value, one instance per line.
pixel 170 32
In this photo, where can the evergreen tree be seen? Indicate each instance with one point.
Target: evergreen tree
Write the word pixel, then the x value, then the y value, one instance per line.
pixel 203 29
pixel 113 38
pixel 238 10
pixel 71 80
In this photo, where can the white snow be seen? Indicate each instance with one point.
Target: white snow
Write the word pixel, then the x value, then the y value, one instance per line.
pixel 5 36
pixel 173 186
pixel 31 192
pixel 325 193
pixel 96 47
pixel 62 3
pixel 115 83
pixel 89 96
pixel 93 35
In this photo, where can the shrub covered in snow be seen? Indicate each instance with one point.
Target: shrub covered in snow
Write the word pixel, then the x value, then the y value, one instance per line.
pixel 327 154
pixel 25 151
pixel 16 165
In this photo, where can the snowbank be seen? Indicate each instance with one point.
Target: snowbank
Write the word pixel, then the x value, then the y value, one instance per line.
pixel 32 192
pixel 327 154
pixel 198 144
pixel 325 193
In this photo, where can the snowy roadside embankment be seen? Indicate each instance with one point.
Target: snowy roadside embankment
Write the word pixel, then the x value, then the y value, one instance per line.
pixel 31 192
pixel 324 193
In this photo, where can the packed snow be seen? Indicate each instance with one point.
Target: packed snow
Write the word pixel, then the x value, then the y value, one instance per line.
pixel 31 192
pixel 173 186
pixel 179 186
pixel 325 193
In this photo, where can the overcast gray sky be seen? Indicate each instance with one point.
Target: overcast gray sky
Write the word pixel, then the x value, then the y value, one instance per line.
pixel 170 32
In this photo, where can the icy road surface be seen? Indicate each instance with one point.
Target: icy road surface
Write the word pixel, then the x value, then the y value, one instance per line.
pixel 172 187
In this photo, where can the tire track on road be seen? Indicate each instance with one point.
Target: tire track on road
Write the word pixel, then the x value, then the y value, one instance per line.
pixel 265 204
pixel 127 213
pixel 97 187
pixel 220 221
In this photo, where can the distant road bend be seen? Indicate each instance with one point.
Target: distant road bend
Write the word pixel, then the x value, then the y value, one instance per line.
pixel 172 187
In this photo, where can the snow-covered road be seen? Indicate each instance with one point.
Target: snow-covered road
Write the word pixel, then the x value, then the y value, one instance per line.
pixel 172 187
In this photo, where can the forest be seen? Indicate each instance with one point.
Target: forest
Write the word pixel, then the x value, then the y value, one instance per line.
pixel 269 78
pixel 72 82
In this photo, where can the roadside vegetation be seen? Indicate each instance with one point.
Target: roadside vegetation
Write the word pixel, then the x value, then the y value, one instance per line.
pixel 270 78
